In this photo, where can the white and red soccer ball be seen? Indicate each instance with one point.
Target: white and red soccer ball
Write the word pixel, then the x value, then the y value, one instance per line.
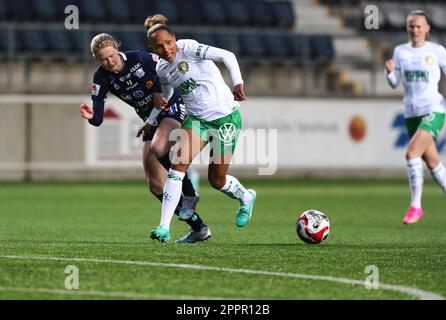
pixel 312 226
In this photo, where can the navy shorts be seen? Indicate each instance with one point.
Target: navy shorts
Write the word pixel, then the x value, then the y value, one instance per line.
pixel 175 111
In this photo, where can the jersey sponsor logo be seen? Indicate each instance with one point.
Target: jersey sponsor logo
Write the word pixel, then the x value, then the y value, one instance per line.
pixel 138 94
pixel 144 102
pixel 126 97
pixel 227 132
pixel 188 86
pixel 122 79
pixel 149 84
pixel 95 89
pixel 140 73
pixel 133 86
pixel 202 50
pixel 416 76
pixel 183 67
pixel 116 86
pixel 135 67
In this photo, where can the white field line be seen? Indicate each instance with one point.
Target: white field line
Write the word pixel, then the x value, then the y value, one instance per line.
pixel 424 295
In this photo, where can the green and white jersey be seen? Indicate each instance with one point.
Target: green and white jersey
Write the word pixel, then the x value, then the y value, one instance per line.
pixel 202 87
pixel 419 69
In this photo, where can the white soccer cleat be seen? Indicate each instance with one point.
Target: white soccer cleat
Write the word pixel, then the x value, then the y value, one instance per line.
pixel 195 236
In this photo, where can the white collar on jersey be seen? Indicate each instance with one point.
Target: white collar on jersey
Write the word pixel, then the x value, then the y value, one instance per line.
pixel 122 54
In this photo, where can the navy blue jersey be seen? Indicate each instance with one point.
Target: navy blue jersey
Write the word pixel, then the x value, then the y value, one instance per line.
pixel 134 85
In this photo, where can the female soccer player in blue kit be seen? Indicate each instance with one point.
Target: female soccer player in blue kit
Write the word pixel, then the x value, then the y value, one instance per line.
pixel 131 77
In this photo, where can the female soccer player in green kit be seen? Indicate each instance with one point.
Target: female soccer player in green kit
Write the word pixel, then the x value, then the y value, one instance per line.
pixel 418 64
pixel 214 116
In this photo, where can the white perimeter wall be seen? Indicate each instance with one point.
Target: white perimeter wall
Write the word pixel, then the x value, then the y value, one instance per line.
pixel 281 137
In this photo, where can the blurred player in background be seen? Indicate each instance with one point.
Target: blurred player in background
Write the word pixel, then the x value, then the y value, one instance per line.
pixel 131 77
pixel 418 65
pixel 213 110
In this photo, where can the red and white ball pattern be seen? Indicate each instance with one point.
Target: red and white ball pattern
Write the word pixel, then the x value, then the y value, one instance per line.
pixel 312 226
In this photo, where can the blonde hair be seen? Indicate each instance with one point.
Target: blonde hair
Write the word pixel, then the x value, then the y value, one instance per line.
pixel 156 22
pixel 101 41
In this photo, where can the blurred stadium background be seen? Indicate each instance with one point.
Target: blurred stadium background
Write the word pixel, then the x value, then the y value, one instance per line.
pixel 312 72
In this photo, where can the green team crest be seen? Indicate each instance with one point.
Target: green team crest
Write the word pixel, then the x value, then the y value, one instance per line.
pixel 429 60
pixel 183 67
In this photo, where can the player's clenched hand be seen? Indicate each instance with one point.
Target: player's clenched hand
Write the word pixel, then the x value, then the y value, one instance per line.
pixel 158 100
pixel 390 65
pixel 239 93
pixel 144 129
pixel 86 111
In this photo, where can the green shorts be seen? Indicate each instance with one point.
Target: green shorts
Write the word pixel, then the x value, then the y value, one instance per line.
pixel 432 123
pixel 222 133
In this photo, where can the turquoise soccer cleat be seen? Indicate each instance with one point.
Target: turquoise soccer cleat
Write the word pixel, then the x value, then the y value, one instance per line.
pixel 161 234
pixel 244 213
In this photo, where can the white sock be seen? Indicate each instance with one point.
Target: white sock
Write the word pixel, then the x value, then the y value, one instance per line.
pixel 171 196
pixel 415 174
pixel 236 190
pixel 439 175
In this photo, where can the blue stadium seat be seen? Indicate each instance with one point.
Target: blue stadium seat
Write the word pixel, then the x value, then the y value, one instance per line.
pixel 3 42
pixel 118 12
pixel 206 38
pixel 237 12
pixel 437 13
pixel 141 9
pixel 394 14
pixel 80 41
pixel 321 49
pixel 170 9
pixel 20 10
pixel 262 14
pixel 45 10
pixel 284 14
pixel 190 12
pixel 277 46
pixel 133 40
pixel 252 46
pixel 299 46
pixel 213 12
pixel 94 11
pixel 4 10
pixel 34 41
pixel 228 41
pixel 59 41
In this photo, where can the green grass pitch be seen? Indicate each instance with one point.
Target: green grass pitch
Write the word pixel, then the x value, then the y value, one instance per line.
pixel 102 229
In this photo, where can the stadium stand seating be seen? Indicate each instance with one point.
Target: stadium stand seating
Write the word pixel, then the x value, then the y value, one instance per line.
pixel 45 10
pixel 59 41
pixel 214 13
pixel 139 10
pixel 118 11
pixel 259 32
pixel 237 12
pixel 173 10
pixel 94 11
